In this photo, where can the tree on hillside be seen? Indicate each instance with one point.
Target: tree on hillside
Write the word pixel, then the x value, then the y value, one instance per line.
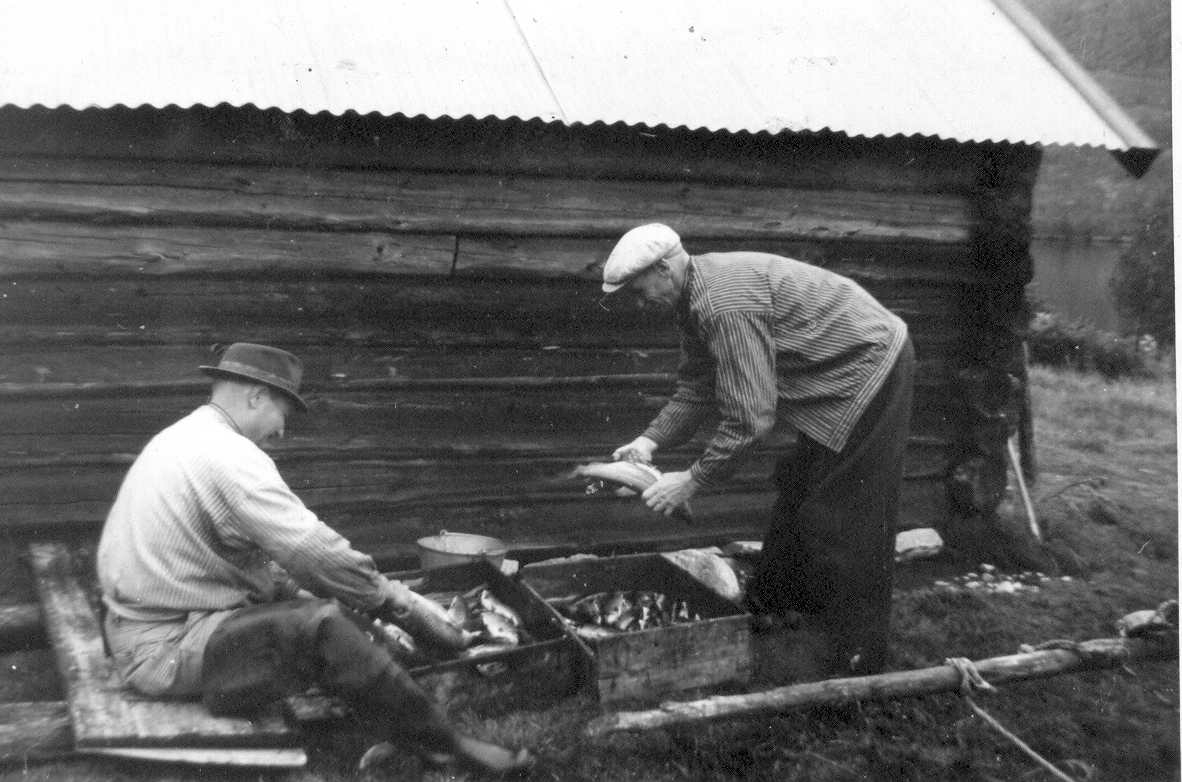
pixel 1143 281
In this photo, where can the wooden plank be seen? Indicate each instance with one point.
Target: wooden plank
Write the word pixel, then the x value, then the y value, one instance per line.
pixel 166 192
pixel 247 135
pixel 34 730
pixel 253 757
pixel 36 247
pixel 102 712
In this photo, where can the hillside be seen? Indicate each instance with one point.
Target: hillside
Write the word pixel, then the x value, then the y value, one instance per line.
pixel 1084 193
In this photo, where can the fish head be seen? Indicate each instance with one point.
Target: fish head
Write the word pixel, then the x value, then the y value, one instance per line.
pixel 497 628
pixel 616 606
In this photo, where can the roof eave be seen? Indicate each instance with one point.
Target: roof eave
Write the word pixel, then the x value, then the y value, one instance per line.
pixel 1140 150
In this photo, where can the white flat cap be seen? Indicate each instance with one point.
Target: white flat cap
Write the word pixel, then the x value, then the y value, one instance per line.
pixel 637 250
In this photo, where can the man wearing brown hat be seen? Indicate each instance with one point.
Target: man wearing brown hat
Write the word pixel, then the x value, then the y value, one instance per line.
pixel 219 583
pixel 765 338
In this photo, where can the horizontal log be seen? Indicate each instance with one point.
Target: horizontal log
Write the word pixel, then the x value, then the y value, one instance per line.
pixel 402 480
pixel 20 627
pixel 409 312
pixel 1098 654
pixel 165 192
pixel 952 339
pixel 54 390
pixel 247 135
pixel 29 247
pixel 595 525
pixel 646 382
pixel 375 523
pixel 298 334
pixel 875 265
pixel 350 441
pixel 327 365
pixel 42 248
pixel 399 420
pixel 925 454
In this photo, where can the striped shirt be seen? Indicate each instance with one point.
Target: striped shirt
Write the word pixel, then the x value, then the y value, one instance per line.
pixel 200 522
pixel 765 336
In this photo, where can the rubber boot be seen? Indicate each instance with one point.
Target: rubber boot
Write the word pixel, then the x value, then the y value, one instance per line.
pixel 418 722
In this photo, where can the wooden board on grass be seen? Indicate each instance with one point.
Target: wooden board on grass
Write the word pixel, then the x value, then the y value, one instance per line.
pixel 102 712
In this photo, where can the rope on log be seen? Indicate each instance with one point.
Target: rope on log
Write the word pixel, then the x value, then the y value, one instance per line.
pixel 1096 654
pixel 971 681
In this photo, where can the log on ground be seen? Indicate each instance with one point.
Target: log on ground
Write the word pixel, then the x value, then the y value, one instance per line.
pixel 1088 655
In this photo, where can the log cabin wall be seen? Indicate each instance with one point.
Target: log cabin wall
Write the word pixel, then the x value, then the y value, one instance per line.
pixel 440 280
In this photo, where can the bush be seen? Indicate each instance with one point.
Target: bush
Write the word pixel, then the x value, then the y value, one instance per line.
pixel 1057 342
pixel 1143 282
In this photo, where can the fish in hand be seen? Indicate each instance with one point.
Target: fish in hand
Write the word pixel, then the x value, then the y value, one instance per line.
pixel 630 476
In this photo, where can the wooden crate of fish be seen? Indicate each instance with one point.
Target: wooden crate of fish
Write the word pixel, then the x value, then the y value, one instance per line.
pixel 517 651
pixel 652 627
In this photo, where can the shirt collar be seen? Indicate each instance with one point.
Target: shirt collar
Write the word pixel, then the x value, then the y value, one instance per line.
pixel 221 412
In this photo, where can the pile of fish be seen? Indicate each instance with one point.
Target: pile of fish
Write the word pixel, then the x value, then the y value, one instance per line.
pixel 486 623
pixel 606 614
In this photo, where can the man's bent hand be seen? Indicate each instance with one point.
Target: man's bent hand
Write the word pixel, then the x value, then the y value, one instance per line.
pixel 673 489
pixel 420 616
pixel 639 450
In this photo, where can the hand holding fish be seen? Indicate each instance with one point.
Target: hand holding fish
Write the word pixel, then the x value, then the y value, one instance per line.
pixel 639 450
pixel 671 491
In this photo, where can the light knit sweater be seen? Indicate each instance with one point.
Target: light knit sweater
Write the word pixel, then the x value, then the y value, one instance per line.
pixel 201 520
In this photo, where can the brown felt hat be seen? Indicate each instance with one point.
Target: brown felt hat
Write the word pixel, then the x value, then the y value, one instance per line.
pixel 263 364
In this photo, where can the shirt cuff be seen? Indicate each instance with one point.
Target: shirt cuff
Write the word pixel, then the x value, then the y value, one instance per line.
pixel 698 473
pixel 656 435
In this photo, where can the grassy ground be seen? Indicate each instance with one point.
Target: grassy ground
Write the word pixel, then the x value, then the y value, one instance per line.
pixel 1107 498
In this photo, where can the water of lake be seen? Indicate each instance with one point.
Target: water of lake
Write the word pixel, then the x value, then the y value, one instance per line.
pixel 1071 278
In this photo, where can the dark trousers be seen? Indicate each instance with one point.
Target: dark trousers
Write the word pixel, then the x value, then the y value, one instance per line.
pixel 266 652
pixel 829 553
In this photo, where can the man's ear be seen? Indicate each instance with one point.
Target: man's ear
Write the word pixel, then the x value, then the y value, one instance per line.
pixel 255 397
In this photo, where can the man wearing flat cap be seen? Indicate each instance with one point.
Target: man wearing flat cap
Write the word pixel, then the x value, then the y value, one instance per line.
pixel 765 338
pixel 219 583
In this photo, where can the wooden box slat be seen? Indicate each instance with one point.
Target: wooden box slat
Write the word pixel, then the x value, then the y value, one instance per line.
pixel 105 714
pixel 553 666
pixel 647 663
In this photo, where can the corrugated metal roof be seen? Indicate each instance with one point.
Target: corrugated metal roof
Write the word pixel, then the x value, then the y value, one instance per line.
pixel 968 70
